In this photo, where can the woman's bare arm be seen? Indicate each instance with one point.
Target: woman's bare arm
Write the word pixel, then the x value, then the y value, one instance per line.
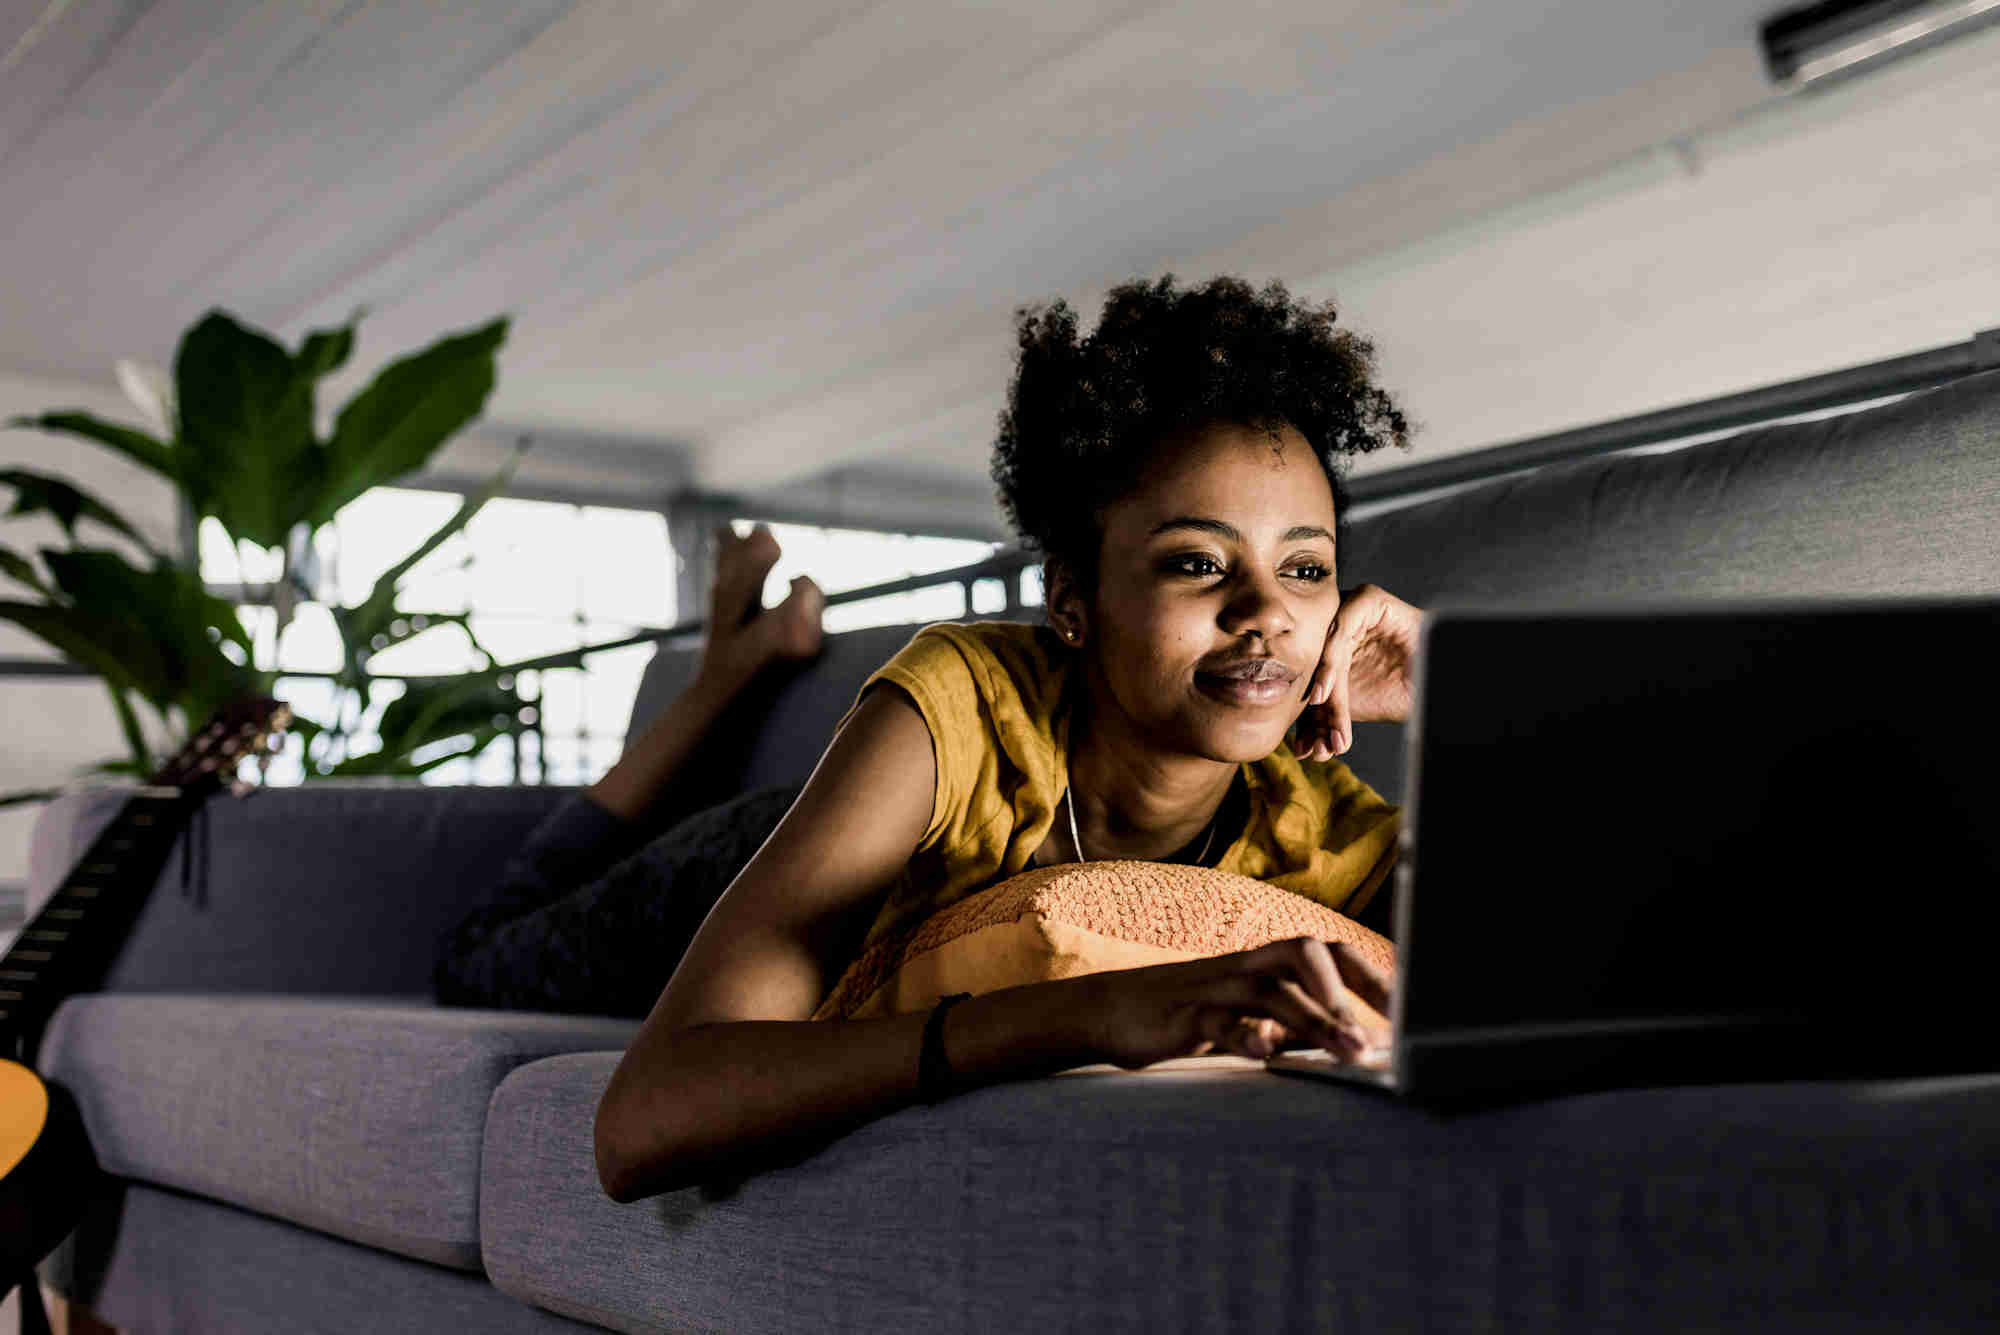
pixel 727 1074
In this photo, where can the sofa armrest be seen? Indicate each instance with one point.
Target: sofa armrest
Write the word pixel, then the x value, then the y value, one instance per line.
pixel 343 887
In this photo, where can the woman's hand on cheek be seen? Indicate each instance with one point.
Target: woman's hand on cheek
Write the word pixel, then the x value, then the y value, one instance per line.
pixel 1364 673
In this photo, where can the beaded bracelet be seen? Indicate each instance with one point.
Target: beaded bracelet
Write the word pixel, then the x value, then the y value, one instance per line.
pixel 935 1080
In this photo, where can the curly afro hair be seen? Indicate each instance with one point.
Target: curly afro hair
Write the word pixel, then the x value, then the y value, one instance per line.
pixel 1084 417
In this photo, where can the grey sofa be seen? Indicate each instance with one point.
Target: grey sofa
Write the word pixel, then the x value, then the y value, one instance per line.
pixel 300 1140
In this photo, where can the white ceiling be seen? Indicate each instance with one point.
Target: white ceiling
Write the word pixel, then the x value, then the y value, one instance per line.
pixel 778 245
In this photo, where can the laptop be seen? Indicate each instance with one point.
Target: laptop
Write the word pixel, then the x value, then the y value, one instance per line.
pixel 1694 843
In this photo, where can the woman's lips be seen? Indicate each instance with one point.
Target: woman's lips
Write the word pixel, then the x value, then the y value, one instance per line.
pixel 1249 681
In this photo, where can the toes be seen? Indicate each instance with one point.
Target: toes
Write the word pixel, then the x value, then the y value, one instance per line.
pixel 762 546
pixel 797 618
pixel 741 565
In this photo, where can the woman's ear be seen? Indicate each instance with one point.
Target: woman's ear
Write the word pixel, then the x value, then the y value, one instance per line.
pixel 1068 610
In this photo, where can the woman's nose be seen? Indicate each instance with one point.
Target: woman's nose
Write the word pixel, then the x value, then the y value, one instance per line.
pixel 1256 606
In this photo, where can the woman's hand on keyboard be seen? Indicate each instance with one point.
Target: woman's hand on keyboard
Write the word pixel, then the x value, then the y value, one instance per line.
pixel 1295 993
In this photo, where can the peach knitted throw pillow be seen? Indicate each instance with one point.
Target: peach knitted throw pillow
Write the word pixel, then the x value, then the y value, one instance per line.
pixel 1079 918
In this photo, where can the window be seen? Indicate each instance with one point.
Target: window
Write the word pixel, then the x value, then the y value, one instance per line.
pixel 534 577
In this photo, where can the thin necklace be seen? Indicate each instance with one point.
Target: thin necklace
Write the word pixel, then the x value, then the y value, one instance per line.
pixel 1076 840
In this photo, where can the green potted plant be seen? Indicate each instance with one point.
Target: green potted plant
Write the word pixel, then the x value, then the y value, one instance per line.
pixel 241 447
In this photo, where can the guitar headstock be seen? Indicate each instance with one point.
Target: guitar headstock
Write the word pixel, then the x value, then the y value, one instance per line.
pixel 247 726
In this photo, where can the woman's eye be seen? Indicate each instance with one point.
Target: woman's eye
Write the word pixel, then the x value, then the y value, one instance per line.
pixel 1202 566
pixel 1310 571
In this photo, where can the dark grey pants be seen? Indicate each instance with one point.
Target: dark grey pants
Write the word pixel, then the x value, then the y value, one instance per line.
pixel 592 915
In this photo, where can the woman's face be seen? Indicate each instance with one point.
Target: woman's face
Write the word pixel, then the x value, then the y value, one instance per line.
pixel 1215 591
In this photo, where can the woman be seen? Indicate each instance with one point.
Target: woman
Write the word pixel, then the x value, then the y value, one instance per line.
pixel 1178 471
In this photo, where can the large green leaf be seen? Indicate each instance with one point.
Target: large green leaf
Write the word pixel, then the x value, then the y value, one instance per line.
pixel 115 650
pixel 134 445
pixel 169 598
pixel 34 492
pixel 162 618
pixel 246 430
pixel 410 409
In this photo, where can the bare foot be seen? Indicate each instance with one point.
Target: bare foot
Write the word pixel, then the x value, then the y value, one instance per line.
pixel 743 637
pixel 794 623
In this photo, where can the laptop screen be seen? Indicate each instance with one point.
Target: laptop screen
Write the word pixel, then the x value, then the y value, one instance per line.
pixel 1665 814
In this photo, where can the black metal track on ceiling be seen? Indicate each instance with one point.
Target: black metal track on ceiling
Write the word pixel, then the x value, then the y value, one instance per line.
pixel 1787 36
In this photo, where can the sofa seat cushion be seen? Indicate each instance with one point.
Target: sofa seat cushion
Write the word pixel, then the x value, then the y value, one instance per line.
pixel 1211 1194
pixel 359 1117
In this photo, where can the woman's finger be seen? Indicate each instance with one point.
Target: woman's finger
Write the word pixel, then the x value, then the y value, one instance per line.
pixel 1322 676
pixel 1258 1036
pixel 1365 978
pixel 1337 727
pixel 1312 964
pixel 1221 1029
pixel 1350 628
pixel 1326 748
pixel 1254 1036
pixel 1335 1028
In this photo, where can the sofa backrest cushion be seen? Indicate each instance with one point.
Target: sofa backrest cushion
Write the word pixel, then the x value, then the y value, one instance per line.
pixel 1900 499
pixel 336 886
pixel 776 732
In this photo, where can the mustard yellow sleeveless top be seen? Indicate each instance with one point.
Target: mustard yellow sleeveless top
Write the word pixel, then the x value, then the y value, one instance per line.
pixel 997 696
